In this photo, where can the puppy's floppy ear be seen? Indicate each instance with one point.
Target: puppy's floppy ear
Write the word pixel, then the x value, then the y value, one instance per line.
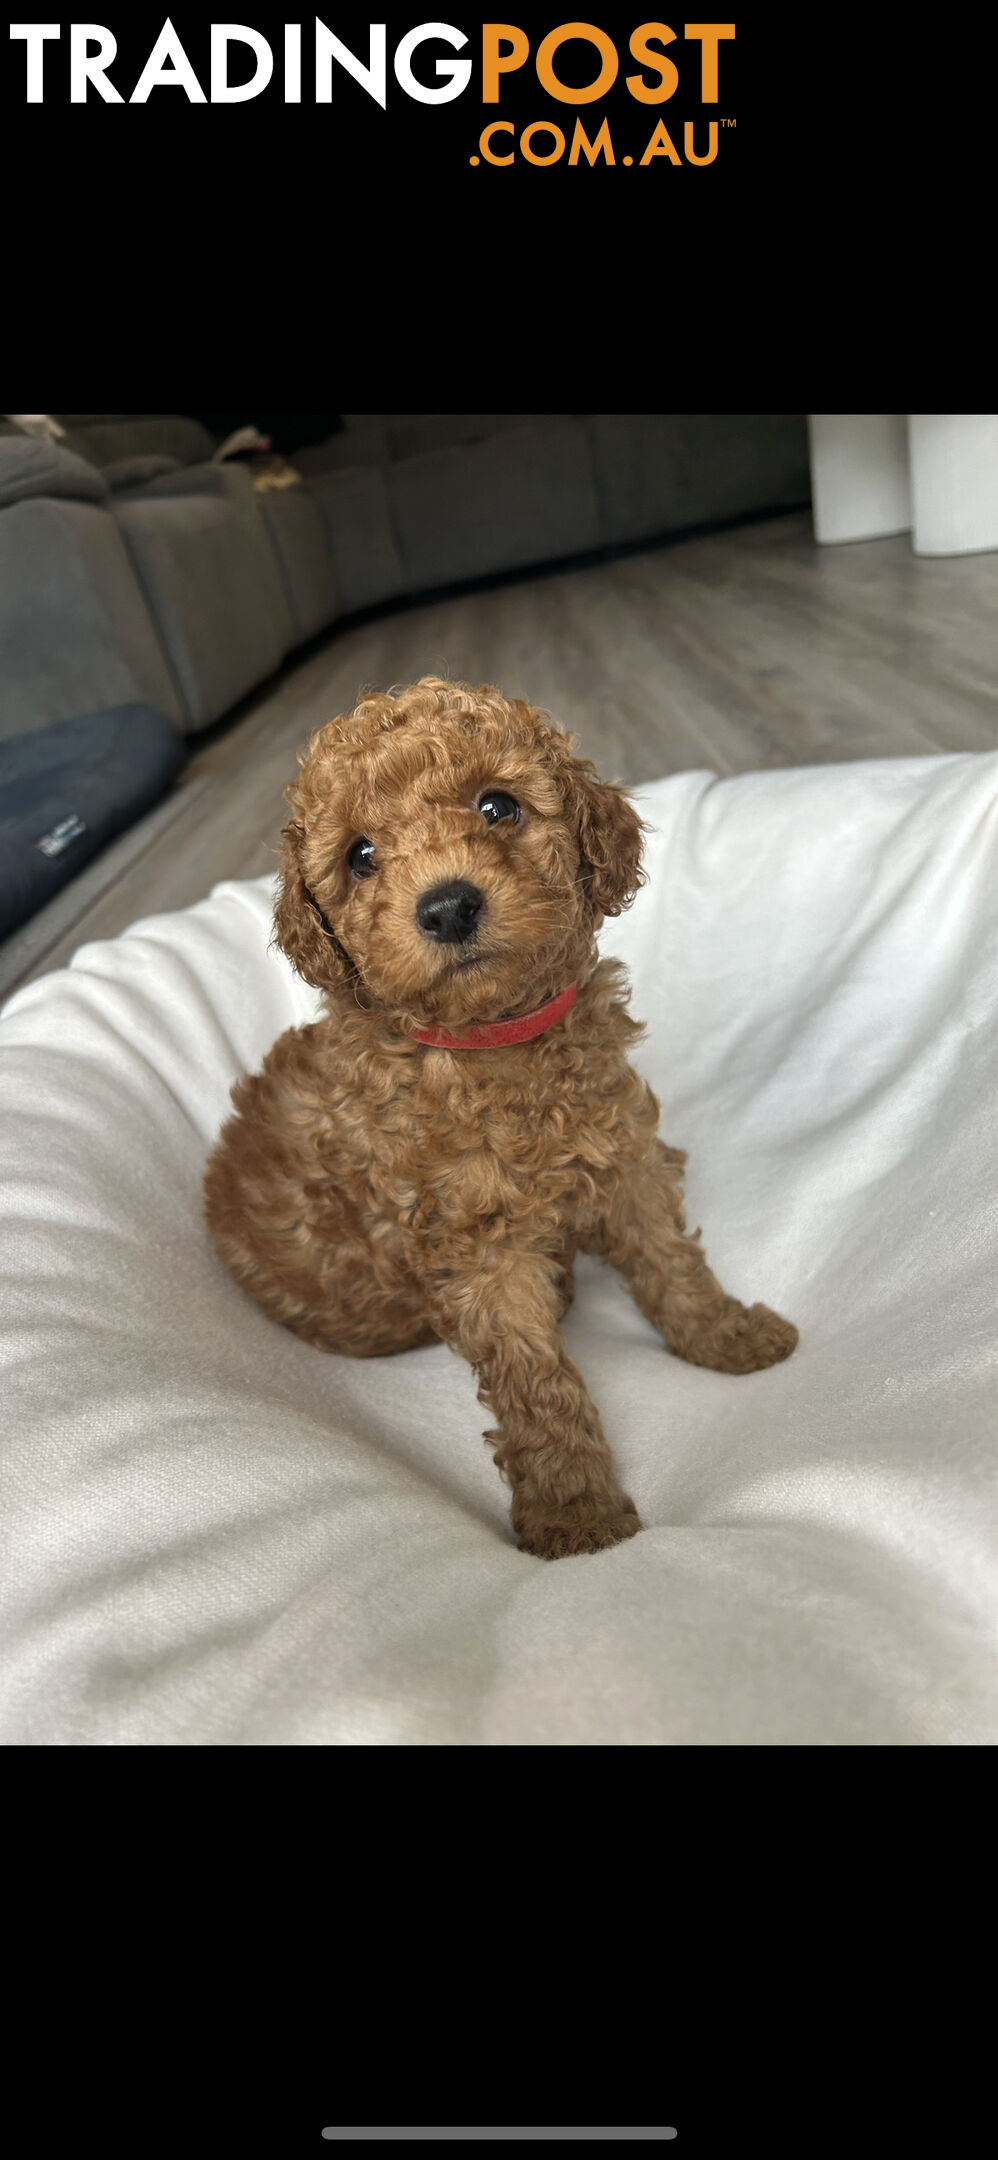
pixel 609 833
pixel 300 928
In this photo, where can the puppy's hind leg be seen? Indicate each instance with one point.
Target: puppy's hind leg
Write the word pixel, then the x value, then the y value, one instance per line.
pixel 297 1242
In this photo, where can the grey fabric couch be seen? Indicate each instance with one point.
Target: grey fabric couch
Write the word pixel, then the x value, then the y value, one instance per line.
pixel 76 634
pixel 135 569
pixel 416 500
pixel 212 583
pixel 220 593
pixel 135 450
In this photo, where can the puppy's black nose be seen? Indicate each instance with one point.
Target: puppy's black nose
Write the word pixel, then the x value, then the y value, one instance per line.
pixel 449 913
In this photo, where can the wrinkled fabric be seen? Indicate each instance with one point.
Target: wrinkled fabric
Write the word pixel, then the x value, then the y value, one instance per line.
pixel 217 1535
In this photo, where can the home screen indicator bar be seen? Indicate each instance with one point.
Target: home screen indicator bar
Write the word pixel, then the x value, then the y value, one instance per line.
pixel 492 2133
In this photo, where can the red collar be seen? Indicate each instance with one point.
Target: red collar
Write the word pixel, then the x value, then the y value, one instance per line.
pixel 492 1036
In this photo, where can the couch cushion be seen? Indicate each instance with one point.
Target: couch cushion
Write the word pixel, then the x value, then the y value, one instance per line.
pixel 31 466
pixel 67 789
pixel 211 582
pixel 356 512
pixel 75 632
pixel 107 437
pixel 293 521
pixel 406 434
pixel 217 1535
pixel 367 446
pixel 523 496
pixel 658 473
pixel 411 433
pixel 136 471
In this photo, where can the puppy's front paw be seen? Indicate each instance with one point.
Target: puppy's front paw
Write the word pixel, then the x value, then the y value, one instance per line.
pixel 746 1340
pixel 579 1527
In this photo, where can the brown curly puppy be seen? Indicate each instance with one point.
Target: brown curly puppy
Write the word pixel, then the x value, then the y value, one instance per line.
pixel 425 1161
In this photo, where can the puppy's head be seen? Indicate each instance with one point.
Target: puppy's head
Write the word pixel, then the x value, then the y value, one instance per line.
pixel 447 858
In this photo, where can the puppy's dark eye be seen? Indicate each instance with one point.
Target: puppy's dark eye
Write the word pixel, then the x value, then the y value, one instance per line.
pixel 361 859
pixel 498 808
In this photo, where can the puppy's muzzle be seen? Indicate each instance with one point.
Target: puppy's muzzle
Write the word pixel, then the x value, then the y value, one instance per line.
pixel 450 913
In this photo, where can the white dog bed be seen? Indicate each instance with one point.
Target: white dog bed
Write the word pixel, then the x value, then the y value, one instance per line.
pixel 217 1535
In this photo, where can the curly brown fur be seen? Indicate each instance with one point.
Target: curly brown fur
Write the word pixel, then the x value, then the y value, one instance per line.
pixel 373 1192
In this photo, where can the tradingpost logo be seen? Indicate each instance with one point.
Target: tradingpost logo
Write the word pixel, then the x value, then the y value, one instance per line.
pixel 589 139
pixel 664 83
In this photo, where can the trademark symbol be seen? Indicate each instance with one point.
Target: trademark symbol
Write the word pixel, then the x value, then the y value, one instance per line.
pixel 729 123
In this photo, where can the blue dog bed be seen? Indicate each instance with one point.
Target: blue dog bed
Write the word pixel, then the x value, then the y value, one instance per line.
pixel 68 789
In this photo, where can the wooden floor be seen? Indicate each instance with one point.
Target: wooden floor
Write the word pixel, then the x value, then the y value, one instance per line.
pixel 731 651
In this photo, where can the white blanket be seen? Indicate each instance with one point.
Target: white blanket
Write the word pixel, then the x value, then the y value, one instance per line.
pixel 217 1535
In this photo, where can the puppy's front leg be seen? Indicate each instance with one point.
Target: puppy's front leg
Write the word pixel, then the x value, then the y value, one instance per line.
pixel 503 1317
pixel 643 1234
